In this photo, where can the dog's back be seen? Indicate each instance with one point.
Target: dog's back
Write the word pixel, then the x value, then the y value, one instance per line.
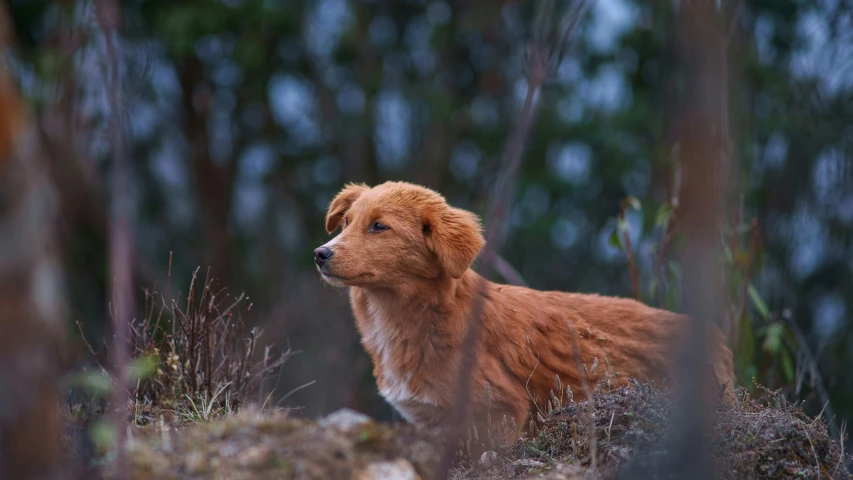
pixel 541 335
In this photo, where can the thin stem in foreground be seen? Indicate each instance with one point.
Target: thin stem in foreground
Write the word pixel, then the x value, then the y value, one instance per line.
pixel 542 59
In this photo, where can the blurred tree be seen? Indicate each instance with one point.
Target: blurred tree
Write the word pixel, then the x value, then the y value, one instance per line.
pixel 31 301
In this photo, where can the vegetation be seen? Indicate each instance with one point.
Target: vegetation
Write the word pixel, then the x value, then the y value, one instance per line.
pixel 193 360
pixel 755 437
pixel 219 129
pixel 761 437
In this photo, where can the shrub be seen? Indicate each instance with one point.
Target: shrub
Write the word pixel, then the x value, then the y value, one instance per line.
pixel 197 355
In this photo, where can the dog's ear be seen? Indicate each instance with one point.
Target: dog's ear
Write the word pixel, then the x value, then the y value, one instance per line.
pixel 341 203
pixel 455 236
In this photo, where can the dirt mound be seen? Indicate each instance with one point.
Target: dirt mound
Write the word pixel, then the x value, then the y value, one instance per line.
pixel 752 438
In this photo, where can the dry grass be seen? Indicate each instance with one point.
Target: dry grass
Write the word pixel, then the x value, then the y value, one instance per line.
pixel 194 359
pixel 760 437
pixel 196 356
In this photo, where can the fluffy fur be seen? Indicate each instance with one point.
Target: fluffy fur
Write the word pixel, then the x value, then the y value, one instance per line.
pixel 411 291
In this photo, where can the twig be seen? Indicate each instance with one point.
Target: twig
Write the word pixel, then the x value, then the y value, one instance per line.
pixel 527 383
pixel 733 26
pixel 593 437
pixel 86 342
pixel 660 258
pixel 506 270
pixel 511 162
pixel 121 249
pixel 816 459
pixel 540 63
pixel 541 60
pixel 753 246
pixel 609 427
pixel 841 455
pixel 288 394
pixel 629 251
pixel 806 352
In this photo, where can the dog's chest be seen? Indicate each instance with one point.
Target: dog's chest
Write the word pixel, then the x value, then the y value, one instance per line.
pixel 392 351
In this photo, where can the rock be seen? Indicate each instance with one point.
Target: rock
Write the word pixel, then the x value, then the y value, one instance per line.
pixel 398 469
pixel 195 463
pixel 564 471
pixel 488 458
pixel 344 419
pixel 255 456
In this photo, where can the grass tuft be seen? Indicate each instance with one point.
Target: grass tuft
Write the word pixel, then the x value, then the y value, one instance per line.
pixel 193 357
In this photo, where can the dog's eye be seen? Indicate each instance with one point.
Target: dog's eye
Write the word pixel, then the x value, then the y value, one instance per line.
pixel 378 227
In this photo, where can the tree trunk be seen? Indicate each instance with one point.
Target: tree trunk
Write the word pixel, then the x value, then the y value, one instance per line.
pixel 214 183
pixel 31 303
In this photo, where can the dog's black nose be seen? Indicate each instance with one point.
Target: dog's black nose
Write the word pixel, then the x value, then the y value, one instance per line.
pixel 322 255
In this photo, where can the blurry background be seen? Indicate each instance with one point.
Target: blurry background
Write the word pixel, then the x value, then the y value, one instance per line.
pixel 245 117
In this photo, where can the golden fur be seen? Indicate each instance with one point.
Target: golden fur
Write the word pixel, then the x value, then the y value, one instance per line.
pixel 411 291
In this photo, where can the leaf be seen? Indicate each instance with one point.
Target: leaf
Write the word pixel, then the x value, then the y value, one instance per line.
pixel 758 302
pixel 95 383
pixel 614 241
pixel 728 255
pixel 103 435
pixel 143 367
pixel 672 299
pixel 675 268
pixel 742 257
pixel 664 214
pixel 788 366
pixel 773 338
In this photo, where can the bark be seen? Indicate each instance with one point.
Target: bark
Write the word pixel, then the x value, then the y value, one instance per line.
pixel 705 158
pixel 31 302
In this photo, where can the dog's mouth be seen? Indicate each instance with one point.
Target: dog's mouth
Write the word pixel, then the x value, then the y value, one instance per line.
pixel 333 280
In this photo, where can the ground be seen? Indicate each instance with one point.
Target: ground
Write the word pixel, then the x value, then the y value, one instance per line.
pixel 756 437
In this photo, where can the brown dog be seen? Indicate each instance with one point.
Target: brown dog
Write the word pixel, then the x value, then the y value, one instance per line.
pixel 405 254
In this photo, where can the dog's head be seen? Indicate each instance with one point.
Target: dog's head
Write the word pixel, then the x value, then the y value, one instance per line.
pixel 396 233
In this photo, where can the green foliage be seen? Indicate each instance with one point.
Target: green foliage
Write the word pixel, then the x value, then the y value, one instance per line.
pixel 103 436
pixel 763 345
pixel 143 367
pixel 98 384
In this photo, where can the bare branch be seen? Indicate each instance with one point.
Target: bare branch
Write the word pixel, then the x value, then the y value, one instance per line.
pixel 508 272
pixel 120 238
pixel 539 61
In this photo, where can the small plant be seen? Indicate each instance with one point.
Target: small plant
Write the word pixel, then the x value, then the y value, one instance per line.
pixel 763 344
pixel 196 355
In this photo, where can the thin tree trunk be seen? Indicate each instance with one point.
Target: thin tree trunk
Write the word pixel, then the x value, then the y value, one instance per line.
pixel 704 157
pixel 214 183
pixel 31 303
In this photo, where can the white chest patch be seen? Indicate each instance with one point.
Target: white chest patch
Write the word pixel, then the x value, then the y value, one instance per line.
pixel 381 335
